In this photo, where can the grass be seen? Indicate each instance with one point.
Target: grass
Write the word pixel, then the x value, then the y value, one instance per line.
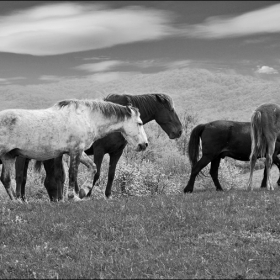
pixel 207 234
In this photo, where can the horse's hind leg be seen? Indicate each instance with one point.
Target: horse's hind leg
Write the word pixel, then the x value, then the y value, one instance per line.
pixel 59 177
pixel 214 173
pixel 276 161
pixel 7 165
pixel 21 165
pixel 55 178
pixel 73 172
pixel 195 170
pixel 268 163
pixel 91 165
pixel 253 159
pixel 263 184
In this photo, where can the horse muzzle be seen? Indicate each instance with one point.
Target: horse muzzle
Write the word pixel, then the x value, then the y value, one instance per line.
pixel 142 147
pixel 174 135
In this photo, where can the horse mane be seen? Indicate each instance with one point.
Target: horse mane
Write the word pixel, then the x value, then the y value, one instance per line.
pixel 107 108
pixel 147 102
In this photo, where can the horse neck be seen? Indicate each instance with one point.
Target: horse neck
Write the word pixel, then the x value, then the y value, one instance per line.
pixel 146 117
pixel 104 125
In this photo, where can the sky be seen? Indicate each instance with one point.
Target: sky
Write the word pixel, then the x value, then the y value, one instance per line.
pixel 50 41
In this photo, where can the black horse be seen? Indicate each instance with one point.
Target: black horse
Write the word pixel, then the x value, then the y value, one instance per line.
pixel 220 139
pixel 155 106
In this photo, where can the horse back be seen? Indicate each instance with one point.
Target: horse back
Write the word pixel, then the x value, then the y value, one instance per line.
pixel 45 130
pixel 227 138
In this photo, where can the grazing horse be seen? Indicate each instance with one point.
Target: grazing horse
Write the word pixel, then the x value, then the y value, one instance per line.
pixel 155 106
pixel 220 139
pixel 68 127
pixel 265 127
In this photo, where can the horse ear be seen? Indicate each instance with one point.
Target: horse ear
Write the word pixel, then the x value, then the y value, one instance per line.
pixel 160 98
pixel 128 100
pixel 128 108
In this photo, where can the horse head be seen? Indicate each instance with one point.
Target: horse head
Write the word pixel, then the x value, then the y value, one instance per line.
pixel 167 118
pixel 133 130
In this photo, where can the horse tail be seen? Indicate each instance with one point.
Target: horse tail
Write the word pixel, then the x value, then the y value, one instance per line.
pixel 259 143
pixel 37 166
pixel 194 143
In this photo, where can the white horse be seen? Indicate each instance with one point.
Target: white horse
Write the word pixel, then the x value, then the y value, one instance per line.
pixel 68 127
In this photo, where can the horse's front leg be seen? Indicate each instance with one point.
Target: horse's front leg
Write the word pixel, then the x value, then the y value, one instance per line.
pixel 86 188
pixel 114 158
pixel 73 172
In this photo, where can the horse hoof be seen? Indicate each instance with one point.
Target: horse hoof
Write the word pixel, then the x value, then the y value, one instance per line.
pixel 188 191
pixel 219 190
pixel 70 195
pixel 82 193
pixel 76 198
pixel 107 195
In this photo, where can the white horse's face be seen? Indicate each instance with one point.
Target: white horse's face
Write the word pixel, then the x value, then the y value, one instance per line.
pixel 134 133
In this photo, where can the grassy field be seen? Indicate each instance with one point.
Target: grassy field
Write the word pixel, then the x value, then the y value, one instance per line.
pixel 207 234
pixel 234 234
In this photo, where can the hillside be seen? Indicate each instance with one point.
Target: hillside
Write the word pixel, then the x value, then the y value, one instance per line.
pixel 211 95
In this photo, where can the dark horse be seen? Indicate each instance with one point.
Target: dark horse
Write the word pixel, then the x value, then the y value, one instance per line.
pixel 220 139
pixel 155 106
pixel 265 128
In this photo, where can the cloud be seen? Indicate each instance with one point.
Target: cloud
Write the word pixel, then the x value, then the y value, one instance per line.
pixel 266 20
pixel 96 58
pixel 100 66
pixel 266 70
pixel 6 81
pixel 50 78
pixel 178 64
pixel 142 64
pixel 71 27
pixel 110 76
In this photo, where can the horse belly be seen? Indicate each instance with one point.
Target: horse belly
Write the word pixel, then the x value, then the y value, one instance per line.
pixel 40 154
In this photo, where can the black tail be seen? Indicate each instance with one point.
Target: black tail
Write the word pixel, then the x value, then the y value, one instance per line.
pixel 37 166
pixel 194 143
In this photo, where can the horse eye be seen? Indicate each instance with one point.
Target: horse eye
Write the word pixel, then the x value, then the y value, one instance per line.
pixel 140 124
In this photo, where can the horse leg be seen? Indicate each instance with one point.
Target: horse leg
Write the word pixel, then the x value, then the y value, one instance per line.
pixel 276 161
pixel 59 177
pixel 87 161
pixel 7 165
pixel 73 172
pixel 268 164
pixel 49 181
pixel 114 158
pixel 253 160
pixel 21 165
pixel 214 173
pixel 195 170
pixel 263 184
pixel 55 177
pixel 98 158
